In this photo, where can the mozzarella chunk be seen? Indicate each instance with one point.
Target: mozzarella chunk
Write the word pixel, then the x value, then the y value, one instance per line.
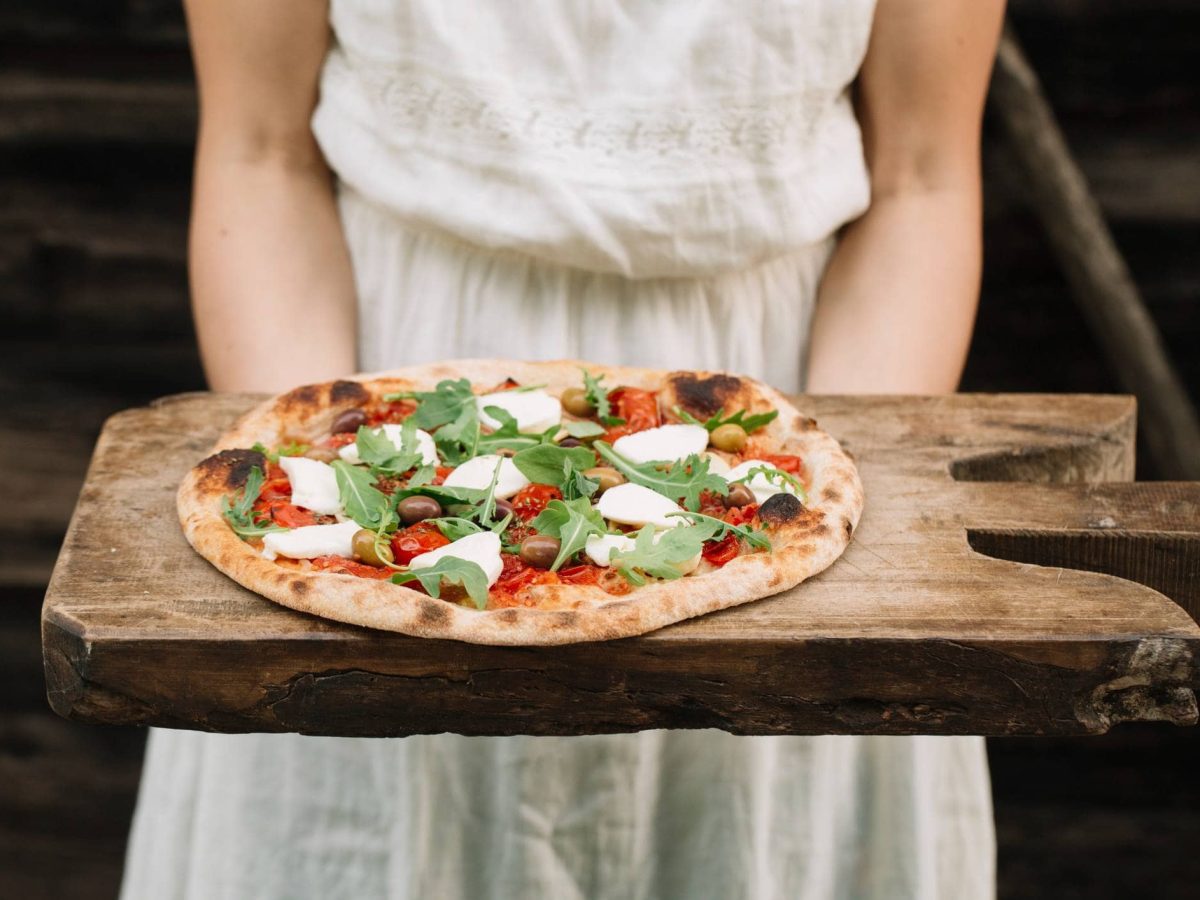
pixel 310 541
pixel 599 547
pixel 632 504
pixel 482 548
pixel 314 484
pixel 759 485
pixel 717 464
pixel 535 410
pixel 667 443
pixel 392 432
pixel 478 472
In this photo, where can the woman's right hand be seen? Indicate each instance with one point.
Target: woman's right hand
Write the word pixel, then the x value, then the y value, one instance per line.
pixel 272 287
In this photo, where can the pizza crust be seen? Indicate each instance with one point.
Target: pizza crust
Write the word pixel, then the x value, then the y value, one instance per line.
pixel 571 613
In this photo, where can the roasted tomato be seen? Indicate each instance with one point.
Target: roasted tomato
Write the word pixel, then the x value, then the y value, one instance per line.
pixel 532 499
pixel 582 574
pixel 289 515
pixel 276 486
pixel 741 515
pixel 441 474
pixel 720 552
pixel 341 565
pixel 637 407
pixel 793 465
pixel 415 540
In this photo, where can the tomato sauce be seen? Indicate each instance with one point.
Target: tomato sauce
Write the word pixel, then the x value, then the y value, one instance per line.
pixel 390 412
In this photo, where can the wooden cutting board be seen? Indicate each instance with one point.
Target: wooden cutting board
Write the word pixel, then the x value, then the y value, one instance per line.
pixel 918 629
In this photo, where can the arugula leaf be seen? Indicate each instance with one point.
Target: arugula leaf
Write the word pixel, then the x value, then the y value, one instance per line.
pixel 458 440
pixel 683 481
pixel 597 395
pixel 756 538
pixel 455 527
pixel 546 463
pixel 748 422
pixel 781 479
pixel 576 484
pixel 447 496
pixel 292 449
pixel 240 514
pixel 376 449
pixel 572 522
pixel 660 558
pixel 452 569
pixel 362 501
pixel 442 405
pixel 423 475
pixel 507 436
pixel 581 428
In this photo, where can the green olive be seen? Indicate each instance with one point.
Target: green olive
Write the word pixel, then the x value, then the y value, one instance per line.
pixel 608 478
pixel 575 401
pixel 368 551
pixel 730 438
pixel 540 550
pixel 739 495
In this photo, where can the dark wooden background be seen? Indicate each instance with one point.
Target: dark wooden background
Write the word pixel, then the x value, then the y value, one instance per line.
pixel 96 133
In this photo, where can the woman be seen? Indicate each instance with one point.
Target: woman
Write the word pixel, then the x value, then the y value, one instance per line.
pixel 653 184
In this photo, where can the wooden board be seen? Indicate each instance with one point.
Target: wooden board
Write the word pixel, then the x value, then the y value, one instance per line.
pixel 913 631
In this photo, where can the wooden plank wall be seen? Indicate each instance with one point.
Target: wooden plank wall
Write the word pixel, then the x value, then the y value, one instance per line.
pixel 96 130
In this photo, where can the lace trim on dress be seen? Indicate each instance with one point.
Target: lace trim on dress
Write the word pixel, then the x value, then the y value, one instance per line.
pixel 425 107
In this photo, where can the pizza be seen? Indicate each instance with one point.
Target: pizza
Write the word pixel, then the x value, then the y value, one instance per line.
pixel 505 502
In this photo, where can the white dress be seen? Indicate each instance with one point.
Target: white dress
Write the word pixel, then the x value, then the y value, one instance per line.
pixel 653 183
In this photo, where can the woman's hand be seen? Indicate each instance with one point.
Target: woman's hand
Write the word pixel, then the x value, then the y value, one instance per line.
pixel 896 308
pixel 272 288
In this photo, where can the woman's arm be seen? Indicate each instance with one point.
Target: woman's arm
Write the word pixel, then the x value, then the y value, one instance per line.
pixel 272 289
pixel 897 305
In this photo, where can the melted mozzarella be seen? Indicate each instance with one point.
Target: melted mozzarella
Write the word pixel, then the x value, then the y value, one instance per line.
pixel 667 443
pixel 310 541
pixel 632 504
pixel 599 548
pixel 392 432
pixel 535 411
pixel 759 485
pixel 314 484
pixel 478 472
pixel 482 548
pixel 717 465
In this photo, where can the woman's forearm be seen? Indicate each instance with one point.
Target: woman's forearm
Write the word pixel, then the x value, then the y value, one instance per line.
pixel 272 289
pixel 897 305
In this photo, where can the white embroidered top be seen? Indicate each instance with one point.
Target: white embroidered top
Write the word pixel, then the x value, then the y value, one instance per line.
pixel 641 137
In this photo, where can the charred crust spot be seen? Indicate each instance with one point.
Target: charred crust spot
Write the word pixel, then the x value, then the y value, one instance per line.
pixel 705 396
pixel 779 509
pixel 433 612
pixel 821 529
pixel 848 527
pixel 229 469
pixel 831 495
pixel 804 423
pixel 299 586
pixel 507 616
pixel 348 393
pixel 306 397
pixel 566 619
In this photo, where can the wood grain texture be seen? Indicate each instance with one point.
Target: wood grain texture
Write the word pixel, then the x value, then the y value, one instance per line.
pixel 912 631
